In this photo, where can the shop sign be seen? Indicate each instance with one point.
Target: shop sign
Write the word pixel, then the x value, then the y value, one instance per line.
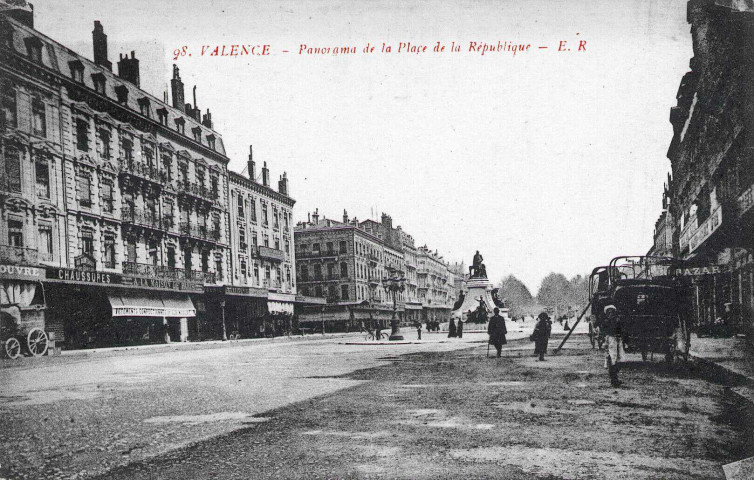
pixel 245 291
pixel 163 284
pixel 84 276
pixel 19 272
pixel 698 271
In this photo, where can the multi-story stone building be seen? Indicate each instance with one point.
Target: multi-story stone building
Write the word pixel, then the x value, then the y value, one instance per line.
pixel 662 245
pixel 111 194
pixel 262 257
pixel 344 264
pixel 712 160
pixel 436 290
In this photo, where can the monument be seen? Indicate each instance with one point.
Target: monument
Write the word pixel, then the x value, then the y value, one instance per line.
pixel 481 298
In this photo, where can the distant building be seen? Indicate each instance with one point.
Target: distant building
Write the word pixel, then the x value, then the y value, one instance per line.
pixel 663 232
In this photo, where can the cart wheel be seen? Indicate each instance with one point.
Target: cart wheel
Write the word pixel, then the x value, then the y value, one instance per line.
pixel 37 342
pixel 12 348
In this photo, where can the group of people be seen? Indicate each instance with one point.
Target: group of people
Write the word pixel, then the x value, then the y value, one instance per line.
pixel 610 324
pixel 455 331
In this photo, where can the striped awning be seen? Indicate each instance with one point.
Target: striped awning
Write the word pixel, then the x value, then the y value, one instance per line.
pixel 127 304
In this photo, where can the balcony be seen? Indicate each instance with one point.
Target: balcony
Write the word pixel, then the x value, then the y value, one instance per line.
pixel 271 254
pixel 143 171
pixel 200 232
pixel 142 218
pixel 693 237
pixel 197 191
pixel 164 272
pixel 18 255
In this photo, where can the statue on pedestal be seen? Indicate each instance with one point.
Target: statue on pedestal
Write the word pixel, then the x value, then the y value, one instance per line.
pixel 477 268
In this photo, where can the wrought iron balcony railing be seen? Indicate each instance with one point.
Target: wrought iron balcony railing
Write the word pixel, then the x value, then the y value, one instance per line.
pixel 144 218
pixel 18 255
pixel 198 191
pixel 143 171
pixel 165 272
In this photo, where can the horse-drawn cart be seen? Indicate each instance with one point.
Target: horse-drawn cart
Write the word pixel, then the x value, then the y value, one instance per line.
pixel 22 326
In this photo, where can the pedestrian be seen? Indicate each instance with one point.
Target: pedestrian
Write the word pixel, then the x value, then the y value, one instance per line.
pixel 452 328
pixel 611 326
pixel 459 332
pixel 541 335
pixel 497 331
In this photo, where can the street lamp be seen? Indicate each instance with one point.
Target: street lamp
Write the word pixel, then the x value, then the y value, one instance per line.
pixel 394 284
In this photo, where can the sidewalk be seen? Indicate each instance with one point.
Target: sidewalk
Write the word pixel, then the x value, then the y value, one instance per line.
pixel 735 355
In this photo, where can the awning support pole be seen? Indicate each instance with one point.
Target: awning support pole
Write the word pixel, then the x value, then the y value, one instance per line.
pixel 573 328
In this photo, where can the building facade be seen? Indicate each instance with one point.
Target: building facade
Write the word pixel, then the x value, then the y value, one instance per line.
pixel 711 214
pixel 115 225
pixel 261 244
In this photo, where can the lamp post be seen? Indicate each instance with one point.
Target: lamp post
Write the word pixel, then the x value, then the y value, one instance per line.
pixel 393 284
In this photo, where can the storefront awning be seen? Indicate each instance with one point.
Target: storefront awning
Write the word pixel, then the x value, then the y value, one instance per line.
pixel 127 304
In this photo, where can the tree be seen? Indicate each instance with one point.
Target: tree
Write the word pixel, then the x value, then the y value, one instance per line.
pixel 517 297
pixel 555 291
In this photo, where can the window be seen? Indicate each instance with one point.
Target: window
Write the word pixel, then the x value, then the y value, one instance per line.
pixel 256 273
pixel 205 261
pixel 330 248
pixel 267 275
pixel 153 250
pixel 77 71
pixel 15 233
pixel 242 239
pixel 330 271
pixel 187 259
pixel 82 134
pixel 200 176
pixel 304 273
pixel 275 220
pixel 240 206
pixel 180 125
pixel 277 243
pixel 253 209
pixel 39 120
pixel 171 257
pixel 87 243
pixel 219 268
pixel 148 157
pixel 167 166
pixel 266 240
pixel 254 238
pixel 315 248
pixel 285 218
pixel 213 189
pixel 197 134
pixel 343 247
pixel 344 292
pixel 318 272
pixel 85 190
pixel 109 250
pixel 34 48
pixel 43 178
pixel 211 141
pixel 107 197
pixel 264 214
pixel 167 214
pixel 99 82
pixel 121 91
pixel 128 150
pixel 343 270
pixel 162 114
pixel 45 243
pixel 144 106
pixel 318 291
pixel 12 169
pixel 7 105
pixel 183 173
pixel 243 267
pixel 103 143
pixel 131 250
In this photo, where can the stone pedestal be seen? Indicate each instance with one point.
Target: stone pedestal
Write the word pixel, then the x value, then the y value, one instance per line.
pixel 478 287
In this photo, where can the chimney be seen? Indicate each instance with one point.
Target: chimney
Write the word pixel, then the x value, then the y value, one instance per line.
pixel 283 184
pixel 315 216
pixel 128 68
pixel 345 216
pixel 195 112
pixel 207 119
pixel 265 175
pixel 176 87
pixel 252 166
pixel 308 217
pixel 99 40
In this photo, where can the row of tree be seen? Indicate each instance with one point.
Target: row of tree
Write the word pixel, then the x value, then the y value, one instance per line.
pixel 555 291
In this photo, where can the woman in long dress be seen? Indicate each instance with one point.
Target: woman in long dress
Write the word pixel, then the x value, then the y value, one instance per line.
pixel 452 328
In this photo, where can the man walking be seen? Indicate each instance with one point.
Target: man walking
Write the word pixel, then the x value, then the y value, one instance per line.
pixel 497 331
pixel 611 326
pixel 541 335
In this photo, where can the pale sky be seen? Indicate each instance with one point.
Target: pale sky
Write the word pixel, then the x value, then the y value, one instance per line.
pixel 543 161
